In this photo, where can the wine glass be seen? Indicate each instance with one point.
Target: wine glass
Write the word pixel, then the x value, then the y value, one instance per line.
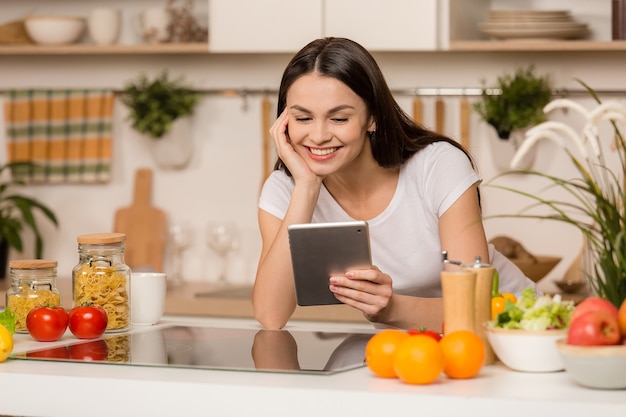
pixel 180 238
pixel 222 238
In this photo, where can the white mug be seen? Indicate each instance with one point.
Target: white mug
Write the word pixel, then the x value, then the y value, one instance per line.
pixel 104 26
pixel 147 297
pixel 153 25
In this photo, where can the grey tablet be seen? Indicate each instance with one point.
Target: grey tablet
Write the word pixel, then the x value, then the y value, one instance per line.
pixel 320 249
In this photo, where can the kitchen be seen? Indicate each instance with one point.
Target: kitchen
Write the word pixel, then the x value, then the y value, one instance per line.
pixel 227 134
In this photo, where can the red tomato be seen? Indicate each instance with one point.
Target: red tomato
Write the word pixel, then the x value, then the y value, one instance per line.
pixel 52 353
pixel 96 350
pixel 88 321
pixel 47 324
pixel 425 332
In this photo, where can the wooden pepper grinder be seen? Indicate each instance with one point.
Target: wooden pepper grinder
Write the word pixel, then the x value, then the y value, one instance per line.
pixel 458 287
pixel 482 302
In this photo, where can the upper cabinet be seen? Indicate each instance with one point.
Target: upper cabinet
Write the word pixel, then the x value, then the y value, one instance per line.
pixel 263 25
pixel 384 25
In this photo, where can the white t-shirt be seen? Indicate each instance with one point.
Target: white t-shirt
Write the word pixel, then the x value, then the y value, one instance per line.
pixel 405 236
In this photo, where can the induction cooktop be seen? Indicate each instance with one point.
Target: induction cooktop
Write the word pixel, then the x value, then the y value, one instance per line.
pixel 198 347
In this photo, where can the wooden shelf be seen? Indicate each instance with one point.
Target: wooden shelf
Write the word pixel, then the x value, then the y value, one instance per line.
pixel 530 46
pixel 203 48
pixel 90 49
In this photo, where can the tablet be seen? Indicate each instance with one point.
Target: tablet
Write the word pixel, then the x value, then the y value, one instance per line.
pixel 321 249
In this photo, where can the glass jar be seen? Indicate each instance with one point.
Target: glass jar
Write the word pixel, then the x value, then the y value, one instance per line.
pixel 102 278
pixel 33 284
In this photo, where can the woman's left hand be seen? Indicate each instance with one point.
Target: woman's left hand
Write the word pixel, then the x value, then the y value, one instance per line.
pixel 368 290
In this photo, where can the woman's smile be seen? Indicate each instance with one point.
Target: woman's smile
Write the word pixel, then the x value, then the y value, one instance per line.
pixel 322 153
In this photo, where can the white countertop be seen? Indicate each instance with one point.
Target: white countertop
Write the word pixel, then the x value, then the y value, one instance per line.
pixel 36 388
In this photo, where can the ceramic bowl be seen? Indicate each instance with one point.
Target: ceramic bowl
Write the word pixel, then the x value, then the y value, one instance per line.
pixel 602 367
pixel 527 350
pixel 54 30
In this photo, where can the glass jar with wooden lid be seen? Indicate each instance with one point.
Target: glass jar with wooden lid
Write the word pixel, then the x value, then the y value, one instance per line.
pixel 101 277
pixel 33 284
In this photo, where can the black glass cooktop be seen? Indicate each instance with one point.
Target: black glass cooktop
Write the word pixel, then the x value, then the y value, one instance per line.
pixel 217 348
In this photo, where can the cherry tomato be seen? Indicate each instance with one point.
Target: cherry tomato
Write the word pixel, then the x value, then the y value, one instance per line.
pixel 425 332
pixel 88 321
pixel 47 324
pixel 497 307
pixel 95 350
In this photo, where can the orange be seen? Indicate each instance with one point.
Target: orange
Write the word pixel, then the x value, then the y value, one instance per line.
pixel 464 354
pixel 380 350
pixel 418 360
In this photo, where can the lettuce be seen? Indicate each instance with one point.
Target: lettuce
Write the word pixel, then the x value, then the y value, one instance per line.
pixel 8 320
pixel 533 312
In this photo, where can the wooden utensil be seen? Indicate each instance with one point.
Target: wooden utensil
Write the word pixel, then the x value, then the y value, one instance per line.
pixel 418 110
pixel 266 124
pixel 440 115
pixel 145 227
pixel 465 112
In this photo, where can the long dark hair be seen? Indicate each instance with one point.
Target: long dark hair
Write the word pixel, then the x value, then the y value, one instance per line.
pixel 397 136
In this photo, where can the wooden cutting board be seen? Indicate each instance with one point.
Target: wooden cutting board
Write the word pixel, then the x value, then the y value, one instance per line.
pixel 145 227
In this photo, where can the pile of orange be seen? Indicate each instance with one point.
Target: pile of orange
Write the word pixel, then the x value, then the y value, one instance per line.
pixel 421 359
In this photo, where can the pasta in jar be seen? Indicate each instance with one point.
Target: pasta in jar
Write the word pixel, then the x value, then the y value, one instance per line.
pixel 32 285
pixel 102 278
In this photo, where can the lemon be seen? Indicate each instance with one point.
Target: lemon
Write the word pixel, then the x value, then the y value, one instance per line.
pixel 6 343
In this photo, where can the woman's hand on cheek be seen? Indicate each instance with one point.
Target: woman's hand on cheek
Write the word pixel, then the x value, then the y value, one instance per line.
pixel 368 290
pixel 296 164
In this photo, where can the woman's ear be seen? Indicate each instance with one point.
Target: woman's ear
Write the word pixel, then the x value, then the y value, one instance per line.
pixel 372 126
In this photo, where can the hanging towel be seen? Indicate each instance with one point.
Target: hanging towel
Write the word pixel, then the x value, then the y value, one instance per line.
pixel 66 133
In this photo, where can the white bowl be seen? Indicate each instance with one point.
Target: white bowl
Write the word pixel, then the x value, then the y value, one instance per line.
pixel 602 367
pixel 527 350
pixel 54 30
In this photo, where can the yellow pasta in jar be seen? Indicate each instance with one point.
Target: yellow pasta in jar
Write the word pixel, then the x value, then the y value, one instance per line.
pixel 106 287
pixel 27 298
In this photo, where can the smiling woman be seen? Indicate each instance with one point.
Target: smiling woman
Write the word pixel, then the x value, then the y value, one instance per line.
pixel 348 152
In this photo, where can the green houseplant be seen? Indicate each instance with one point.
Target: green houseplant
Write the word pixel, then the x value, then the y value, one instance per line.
pixel 515 102
pixel 595 200
pixel 18 211
pixel 156 103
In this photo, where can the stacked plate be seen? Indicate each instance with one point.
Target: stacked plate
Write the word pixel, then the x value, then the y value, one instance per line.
pixel 532 25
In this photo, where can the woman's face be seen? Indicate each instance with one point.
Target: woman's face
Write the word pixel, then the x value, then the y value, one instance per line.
pixel 328 123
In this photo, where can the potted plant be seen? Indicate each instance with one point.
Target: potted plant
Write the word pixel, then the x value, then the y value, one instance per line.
pixel 18 211
pixel 597 203
pixel 161 109
pixel 515 102
pixel 155 104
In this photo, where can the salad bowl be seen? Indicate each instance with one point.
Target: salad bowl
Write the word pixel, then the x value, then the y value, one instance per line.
pixel 600 367
pixel 524 335
pixel 527 350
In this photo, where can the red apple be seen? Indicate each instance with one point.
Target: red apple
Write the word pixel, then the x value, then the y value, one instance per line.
pixel 592 304
pixel 594 328
pixel 621 319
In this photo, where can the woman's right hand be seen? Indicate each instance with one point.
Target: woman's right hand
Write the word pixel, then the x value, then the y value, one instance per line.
pixel 295 163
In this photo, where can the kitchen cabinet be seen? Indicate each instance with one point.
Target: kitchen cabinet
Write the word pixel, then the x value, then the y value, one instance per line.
pixel 263 26
pixel 384 25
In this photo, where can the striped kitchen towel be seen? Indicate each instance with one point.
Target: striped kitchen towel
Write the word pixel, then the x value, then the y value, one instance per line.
pixel 67 134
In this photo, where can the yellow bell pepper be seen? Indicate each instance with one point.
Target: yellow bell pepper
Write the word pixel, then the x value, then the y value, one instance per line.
pixel 498 300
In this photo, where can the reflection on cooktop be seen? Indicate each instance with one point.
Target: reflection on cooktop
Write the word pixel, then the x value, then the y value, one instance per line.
pixel 218 348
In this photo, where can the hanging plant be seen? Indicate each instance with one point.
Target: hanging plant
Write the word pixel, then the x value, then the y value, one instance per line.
pixel 155 104
pixel 515 102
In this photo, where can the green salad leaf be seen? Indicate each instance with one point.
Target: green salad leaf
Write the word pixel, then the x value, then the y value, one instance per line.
pixel 533 312
pixel 8 320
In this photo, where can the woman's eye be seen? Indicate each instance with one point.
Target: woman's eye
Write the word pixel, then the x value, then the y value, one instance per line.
pixel 303 119
pixel 340 119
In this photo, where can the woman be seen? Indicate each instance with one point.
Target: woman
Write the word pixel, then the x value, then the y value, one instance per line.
pixel 346 152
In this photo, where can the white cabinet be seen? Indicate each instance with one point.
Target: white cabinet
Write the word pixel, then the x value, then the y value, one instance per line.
pixel 263 25
pixel 384 25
